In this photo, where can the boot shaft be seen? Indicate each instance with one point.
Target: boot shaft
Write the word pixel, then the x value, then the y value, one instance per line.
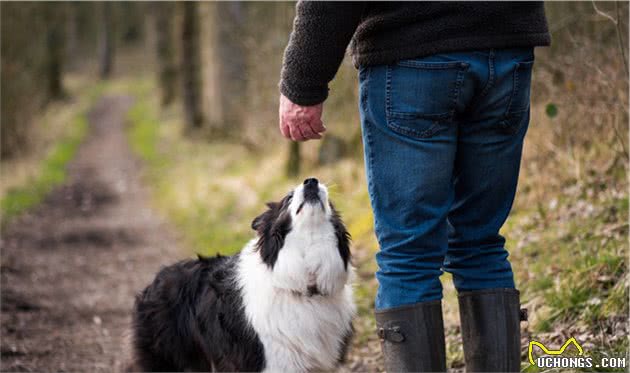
pixel 490 324
pixel 412 337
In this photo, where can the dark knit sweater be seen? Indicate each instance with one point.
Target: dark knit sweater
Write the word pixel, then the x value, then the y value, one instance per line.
pixel 385 32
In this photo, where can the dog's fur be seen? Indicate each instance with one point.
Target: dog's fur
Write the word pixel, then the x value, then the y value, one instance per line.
pixel 284 303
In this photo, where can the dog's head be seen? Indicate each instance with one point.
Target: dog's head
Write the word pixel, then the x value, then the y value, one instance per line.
pixel 306 211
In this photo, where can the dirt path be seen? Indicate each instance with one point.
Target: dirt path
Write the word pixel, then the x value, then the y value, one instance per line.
pixel 70 269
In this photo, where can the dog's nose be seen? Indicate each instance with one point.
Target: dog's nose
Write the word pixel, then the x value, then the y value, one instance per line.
pixel 311 182
pixel 311 190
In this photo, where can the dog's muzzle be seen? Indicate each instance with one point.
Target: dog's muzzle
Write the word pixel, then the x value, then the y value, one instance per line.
pixel 311 190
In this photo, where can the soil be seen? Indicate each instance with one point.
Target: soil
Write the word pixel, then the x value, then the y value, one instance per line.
pixel 71 267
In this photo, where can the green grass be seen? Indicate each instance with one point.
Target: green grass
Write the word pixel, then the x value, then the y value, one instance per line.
pixel 578 274
pixel 52 173
pixel 143 134
pixel 210 227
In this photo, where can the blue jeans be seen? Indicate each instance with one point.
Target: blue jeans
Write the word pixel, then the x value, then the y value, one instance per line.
pixel 443 138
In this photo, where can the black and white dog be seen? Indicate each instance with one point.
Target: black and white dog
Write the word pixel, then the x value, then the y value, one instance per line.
pixel 284 303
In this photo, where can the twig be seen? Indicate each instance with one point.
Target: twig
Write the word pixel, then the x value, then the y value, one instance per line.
pixel 613 228
pixel 618 25
pixel 603 14
pixel 620 138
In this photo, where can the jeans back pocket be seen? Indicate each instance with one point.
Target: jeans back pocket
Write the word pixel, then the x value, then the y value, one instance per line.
pixel 518 106
pixel 422 95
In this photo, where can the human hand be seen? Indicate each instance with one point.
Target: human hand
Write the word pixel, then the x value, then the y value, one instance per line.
pixel 300 123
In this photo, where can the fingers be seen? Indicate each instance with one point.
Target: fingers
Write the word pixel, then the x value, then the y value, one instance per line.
pixel 284 128
pixel 317 125
pixel 297 130
pixel 296 135
pixel 300 123
pixel 309 134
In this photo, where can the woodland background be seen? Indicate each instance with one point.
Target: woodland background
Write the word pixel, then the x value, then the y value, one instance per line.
pixel 204 78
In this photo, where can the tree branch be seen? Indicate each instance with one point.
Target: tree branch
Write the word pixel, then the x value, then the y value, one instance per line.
pixel 618 25
pixel 603 14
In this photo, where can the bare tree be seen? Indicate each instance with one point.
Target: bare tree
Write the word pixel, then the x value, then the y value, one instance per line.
pixel 165 46
pixel 230 20
pixel 107 40
pixel 55 36
pixel 293 161
pixel 191 65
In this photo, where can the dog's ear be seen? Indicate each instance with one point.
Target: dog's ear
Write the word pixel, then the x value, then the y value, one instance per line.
pixel 272 226
pixel 257 222
pixel 271 237
pixel 267 216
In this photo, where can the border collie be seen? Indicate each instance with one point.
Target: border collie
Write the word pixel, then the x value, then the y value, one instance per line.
pixel 284 303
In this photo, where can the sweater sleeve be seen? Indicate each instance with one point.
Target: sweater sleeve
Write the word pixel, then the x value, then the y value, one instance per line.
pixel 318 42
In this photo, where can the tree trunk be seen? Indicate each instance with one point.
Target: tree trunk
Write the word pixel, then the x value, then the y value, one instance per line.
pixel 72 36
pixel 165 46
pixel 55 24
pixel 191 65
pixel 231 19
pixel 107 41
pixel 293 162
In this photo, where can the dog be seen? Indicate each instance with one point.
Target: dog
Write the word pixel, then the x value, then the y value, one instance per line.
pixel 284 303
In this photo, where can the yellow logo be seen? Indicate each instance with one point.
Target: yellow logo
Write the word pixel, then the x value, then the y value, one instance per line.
pixel 553 352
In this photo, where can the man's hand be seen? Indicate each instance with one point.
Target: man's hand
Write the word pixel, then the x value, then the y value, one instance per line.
pixel 300 123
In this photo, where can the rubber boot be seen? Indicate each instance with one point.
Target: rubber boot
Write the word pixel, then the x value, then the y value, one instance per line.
pixel 412 337
pixel 491 330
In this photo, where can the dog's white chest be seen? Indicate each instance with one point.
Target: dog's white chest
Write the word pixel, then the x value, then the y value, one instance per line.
pixel 305 334
pixel 299 333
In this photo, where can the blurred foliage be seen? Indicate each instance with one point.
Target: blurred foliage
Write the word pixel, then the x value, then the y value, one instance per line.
pixel 53 173
pixel 40 43
pixel 551 110
pixel 52 170
pixel 22 70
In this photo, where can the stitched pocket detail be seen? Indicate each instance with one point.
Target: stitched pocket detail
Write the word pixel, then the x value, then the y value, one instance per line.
pixel 421 96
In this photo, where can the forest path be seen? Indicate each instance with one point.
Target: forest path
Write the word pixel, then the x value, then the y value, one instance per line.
pixel 71 267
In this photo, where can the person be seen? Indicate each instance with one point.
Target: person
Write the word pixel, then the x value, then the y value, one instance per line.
pixel 444 104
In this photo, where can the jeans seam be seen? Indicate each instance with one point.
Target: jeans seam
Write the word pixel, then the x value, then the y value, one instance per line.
pixel 388 91
pixel 371 166
pixel 429 65
pixel 514 89
pixel 458 87
pixel 415 133
pixel 368 135
pixel 510 115
pixel 490 82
